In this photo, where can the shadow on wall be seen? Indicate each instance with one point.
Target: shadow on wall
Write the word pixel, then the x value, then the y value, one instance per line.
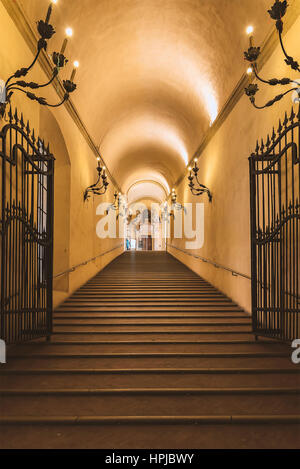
pixel 50 131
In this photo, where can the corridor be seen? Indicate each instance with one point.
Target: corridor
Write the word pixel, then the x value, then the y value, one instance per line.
pixel 149 355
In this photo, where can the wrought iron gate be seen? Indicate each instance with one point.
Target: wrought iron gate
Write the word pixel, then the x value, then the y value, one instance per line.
pixel 275 232
pixel 26 235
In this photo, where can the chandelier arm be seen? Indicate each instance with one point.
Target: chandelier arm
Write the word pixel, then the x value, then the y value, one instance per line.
pixel 25 70
pixel 94 185
pixel 289 59
pixel 272 101
pixel 257 76
pixel 41 100
pixel 33 85
pixel 273 81
pixel 201 185
pixel 66 97
pixel 98 191
pixel 16 88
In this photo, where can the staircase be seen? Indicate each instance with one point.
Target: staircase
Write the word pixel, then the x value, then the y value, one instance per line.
pixel 149 355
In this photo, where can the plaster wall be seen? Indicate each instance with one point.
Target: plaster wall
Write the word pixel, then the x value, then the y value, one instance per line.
pixel 224 170
pixel 75 221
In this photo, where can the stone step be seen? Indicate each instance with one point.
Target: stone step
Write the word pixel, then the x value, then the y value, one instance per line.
pixel 150 360
pixel 78 347
pixel 156 402
pixel 227 432
pixel 45 378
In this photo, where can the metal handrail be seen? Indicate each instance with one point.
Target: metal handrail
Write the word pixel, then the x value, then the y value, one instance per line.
pixel 215 264
pixel 233 272
pixel 75 267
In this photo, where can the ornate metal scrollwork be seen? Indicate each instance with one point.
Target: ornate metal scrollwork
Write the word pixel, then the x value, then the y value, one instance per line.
pixel 193 176
pixel 13 84
pixel 277 12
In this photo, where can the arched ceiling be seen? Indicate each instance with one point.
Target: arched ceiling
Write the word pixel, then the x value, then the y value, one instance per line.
pixel 146 190
pixel 154 74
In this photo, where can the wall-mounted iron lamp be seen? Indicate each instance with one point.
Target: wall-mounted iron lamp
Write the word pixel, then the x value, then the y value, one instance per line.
pixel 175 205
pixel 99 188
pixel 277 12
pixel 193 176
pixel 13 84
pixel 118 204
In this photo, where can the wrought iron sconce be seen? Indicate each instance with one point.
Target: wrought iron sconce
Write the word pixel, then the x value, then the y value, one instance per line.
pixel 99 188
pixel 12 84
pixel 277 12
pixel 201 189
pixel 117 204
pixel 175 205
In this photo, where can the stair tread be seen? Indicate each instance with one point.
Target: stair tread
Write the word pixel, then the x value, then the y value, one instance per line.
pixel 149 335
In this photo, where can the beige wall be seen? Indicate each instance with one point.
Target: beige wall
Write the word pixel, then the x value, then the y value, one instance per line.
pixel 75 239
pixel 224 170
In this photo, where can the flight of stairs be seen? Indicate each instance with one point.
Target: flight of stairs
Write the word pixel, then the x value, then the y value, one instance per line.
pixel 149 355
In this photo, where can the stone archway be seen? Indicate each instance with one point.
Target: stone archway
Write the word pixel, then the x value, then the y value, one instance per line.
pixel 50 130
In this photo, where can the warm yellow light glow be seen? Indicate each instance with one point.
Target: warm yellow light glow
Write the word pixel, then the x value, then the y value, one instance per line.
pixel 69 32
pixel 195 159
pixel 249 71
pixel 76 64
pixel 54 1
pixel 104 167
pixel 146 190
pixel 249 30
pixel 189 168
pixel 207 93
pixel 98 158
pixel 148 130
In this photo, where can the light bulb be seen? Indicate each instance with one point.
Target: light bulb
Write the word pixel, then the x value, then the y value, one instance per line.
pixel 189 168
pixel 195 160
pixel 249 30
pixel 54 1
pixel 249 71
pixel 76 64
pixel 69 32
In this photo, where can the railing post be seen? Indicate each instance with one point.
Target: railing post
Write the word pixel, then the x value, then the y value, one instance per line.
pixel 253 242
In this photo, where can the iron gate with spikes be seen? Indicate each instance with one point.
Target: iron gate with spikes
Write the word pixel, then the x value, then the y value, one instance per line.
pixel 26 236
pixel 275 232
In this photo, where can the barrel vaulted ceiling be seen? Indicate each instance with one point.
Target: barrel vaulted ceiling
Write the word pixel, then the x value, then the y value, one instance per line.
pixel 153 76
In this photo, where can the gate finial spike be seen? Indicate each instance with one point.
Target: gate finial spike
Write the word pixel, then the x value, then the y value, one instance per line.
pixel 10 115
pixel 279 127
pixel 22 121
pixel 268 141
pixel 28 128
pixel 33 136
pixel 16 116
pixel 273 135
pixel 293 115
pixel 257 147
pixel 48 149
pixel 262 146
pixel 286 121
